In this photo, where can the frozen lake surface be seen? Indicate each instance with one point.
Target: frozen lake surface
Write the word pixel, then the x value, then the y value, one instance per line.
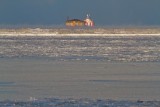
pixel 107 48
pixel 80 71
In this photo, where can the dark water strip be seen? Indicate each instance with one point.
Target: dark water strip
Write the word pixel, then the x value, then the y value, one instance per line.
pixel 54 102
pixel 6 83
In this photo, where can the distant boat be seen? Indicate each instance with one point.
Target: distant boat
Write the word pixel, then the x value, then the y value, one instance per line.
pixel 78 22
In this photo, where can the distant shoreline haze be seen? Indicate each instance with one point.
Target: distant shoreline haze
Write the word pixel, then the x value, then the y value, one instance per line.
pixel 80 31
pixel 103 12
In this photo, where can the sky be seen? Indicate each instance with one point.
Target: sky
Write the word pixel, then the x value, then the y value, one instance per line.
pixel 103 12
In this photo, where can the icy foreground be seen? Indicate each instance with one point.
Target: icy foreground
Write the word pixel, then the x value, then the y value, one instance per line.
pixel 126 48
pixel 54 102
pixel 114 48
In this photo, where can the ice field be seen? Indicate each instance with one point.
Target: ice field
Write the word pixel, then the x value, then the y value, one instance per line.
pixel 108 48
pixel 80 71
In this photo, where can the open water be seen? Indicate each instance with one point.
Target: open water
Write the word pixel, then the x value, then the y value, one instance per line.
pixel 38 71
